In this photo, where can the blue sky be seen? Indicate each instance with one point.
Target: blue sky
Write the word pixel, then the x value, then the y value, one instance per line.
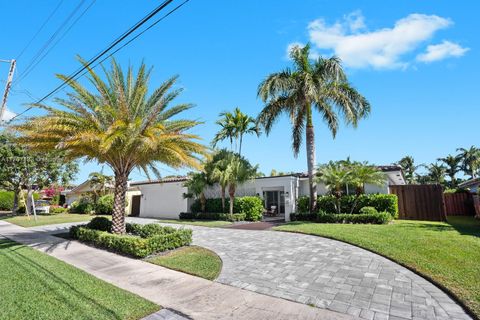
pixel 415 61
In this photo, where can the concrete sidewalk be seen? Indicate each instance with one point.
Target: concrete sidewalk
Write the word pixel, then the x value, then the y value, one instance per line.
pixel 195 297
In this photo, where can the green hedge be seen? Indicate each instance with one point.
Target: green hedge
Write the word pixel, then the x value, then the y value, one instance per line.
pixel 381 202
pixel 6 200
pixel 251 207
pixel 212 216
pixel 143 241
pixel 322 217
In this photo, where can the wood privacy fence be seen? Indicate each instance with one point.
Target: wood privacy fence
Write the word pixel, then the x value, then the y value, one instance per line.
pixel 428 202
pixel 420 202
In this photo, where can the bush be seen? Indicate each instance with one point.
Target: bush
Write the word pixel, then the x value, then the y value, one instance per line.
pixel 373 218
pixel 160 239
pixel 57 210
pixel 6 200
pixel 368 210
pixel 250 207
pixel 148 230
pixel 381 202
pixel 84 205
pixel 105 205
pixel 100 223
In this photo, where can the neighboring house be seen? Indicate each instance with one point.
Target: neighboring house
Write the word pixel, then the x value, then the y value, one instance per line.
pixel 164 198
pixel 473 185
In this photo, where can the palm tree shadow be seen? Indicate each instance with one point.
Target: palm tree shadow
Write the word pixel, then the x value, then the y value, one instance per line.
pixel 461 224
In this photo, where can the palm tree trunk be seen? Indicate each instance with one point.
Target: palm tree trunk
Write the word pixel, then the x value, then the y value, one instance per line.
pixel 203 201
pixel 310 142
pixel 118 215
pixel 231 193
pixel 240 147
pixel 223 199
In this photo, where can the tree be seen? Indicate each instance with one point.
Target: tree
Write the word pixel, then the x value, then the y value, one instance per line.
pixel 409 168
pixel 335 176
pixel 470 160
pixel 22 169
pixel 237 170
pixel 120 125
pixel 321 85
pixel 362 174
pixel 233 127
pixel 436 174
pixel 196 185
pixel 216 169
pixel 100 184
pixel 452 164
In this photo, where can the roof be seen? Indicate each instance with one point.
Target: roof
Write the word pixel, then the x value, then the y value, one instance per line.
pixel 166 180
pixel 469 183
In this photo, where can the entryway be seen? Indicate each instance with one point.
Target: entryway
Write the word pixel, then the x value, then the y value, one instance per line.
pixel 274 205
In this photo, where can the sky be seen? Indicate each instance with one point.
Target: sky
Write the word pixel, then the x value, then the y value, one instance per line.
pixel 416 62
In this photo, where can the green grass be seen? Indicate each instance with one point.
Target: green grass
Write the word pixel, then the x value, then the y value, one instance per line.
pixel 34 285
pixel 202 223
pixel 193 260
pixel 24 221
pixel 448 253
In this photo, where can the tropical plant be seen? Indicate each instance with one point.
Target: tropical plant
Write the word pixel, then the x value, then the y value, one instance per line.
pixel 321 85
pixel 100 184
pixel 435 174
pixel 216 168
pixel 362 174
pixel 452 164
pixel 196 185
pixel 470 160
pixel 233 127
pixel 117 124
pixel 409 169
pixel 335 176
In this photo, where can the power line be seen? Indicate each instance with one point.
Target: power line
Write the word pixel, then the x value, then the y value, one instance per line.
pixel 39 30
pixel 26 73
pixel 79 73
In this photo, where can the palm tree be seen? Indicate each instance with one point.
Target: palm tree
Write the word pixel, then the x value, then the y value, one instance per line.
pixel 216 169
pixel 196 185
pixel 237 171
pixel 117 124
pixel 362 174
pixel 470 160
pixel 99 183
pixel 321 85
pixel 409 168
pixel 436 173
pixel 335 176
pixel 234 126
pixel 452 164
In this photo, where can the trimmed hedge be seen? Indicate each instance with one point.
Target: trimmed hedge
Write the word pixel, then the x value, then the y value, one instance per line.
pixel 250 207
pixel 322 217
pixel 212 216
pixel 141 240
pixel 381 202
pixel 6 200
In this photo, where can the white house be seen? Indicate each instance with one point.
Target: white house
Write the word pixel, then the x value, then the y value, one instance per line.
pixel 165 198
pixel 473 185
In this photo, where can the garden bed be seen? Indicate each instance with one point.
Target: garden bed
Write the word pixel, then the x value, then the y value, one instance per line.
pixel 140 240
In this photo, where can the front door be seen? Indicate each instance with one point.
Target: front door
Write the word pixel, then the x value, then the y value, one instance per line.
pixel 135 206
pixel 275 198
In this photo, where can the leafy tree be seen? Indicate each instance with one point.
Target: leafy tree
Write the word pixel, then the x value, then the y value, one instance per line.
pixel 100 184
pixel 470 160
pixel 409 168
pixel 196 185
pixel 23 169
pixel 120 125
pixel 321 85
pixel 233 127
pixel 452 164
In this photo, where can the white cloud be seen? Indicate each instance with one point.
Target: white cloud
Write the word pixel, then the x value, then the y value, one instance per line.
pixel 446 49
pixel 7 115
pixel 382 48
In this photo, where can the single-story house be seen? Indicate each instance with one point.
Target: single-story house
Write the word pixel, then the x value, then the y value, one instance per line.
pixel 165 198
pixel 473 185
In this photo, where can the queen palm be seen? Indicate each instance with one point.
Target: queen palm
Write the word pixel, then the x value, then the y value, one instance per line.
pixel 320 85
pixel 452 164
pixel 470 160
pixel 120 125
pixel 409 168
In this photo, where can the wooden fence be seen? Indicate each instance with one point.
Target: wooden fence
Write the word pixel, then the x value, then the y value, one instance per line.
pixel 459 204
pixel 420 202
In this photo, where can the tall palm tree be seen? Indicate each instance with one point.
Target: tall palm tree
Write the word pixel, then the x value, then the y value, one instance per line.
pixel 196 185
pixel 470 160
pixel 452 164
pixel 409 168
pixel 234 126
pixel 319 85
pixel 118 124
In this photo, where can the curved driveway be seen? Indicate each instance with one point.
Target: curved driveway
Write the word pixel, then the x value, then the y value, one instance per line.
pixel 325 273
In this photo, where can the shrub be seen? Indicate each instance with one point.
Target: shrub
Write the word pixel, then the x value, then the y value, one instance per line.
pixel 100 223
pixel 250 207
pixel 368 210
pixel 373 218
pixel 57 210
pixel 134 245
pixel 6 200
pixel 84 205
pixel 105 205
pixel 148 230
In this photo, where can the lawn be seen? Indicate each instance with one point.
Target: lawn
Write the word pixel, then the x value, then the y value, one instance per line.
pixel 34 285
pixel 24 221
pixel 202 223
pixel 193 260
pixel 449 252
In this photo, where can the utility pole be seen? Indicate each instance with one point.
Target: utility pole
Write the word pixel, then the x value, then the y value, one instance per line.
pixel 13 62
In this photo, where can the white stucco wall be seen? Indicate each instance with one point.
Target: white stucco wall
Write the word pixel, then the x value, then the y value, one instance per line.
pixel 163 200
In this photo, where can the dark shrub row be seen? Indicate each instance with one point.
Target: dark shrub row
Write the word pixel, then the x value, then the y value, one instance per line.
pixel 141 240
pixel 322 217
pixel 213 216
pixel 251 207
pixel 381 202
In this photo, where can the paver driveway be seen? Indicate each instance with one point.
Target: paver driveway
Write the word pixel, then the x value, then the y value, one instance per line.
pixel 325 273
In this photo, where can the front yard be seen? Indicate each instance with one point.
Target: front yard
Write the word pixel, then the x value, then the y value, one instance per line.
pixel 34 285
pixel 24 221
pixel 448 253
